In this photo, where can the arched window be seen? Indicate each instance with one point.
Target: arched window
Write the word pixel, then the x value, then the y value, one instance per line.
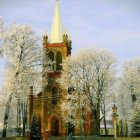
pixel 51 57
pixel 58 61
pixel 54 95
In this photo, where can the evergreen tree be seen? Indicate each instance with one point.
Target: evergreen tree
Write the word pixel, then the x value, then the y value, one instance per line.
pixel 123 128
pixel 125 132
pixel 120 128
pixel 35 130
pixel 135 124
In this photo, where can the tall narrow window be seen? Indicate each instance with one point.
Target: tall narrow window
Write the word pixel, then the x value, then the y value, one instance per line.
pixel 51 57
pixel 58 61
pixel 54 95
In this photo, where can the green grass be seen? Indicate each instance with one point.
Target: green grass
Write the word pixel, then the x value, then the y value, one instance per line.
pixel 13 138
pixel 132 138
pixel 94 138
pixel 78 138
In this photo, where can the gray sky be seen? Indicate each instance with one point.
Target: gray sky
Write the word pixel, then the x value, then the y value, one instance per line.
pixel 111 24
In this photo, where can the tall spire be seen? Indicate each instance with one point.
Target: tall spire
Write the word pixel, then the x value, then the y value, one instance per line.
pixel 56 32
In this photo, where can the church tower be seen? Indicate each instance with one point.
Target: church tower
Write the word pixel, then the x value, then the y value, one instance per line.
pixel 55 48
pixel 46 105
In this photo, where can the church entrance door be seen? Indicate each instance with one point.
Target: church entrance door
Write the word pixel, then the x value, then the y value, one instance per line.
pixel 54 126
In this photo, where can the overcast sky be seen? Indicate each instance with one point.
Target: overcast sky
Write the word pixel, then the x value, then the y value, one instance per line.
pixel 111 24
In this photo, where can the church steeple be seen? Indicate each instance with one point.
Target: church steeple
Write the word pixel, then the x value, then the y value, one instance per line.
pixel 57 31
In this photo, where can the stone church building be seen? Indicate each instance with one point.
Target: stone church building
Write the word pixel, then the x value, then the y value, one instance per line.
pixel 46 104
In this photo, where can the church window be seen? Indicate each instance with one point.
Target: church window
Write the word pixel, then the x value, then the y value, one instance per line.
pixel 54 95
pixel 58 61
pixel 51 57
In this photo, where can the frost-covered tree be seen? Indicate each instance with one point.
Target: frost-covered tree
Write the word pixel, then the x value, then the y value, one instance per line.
pixel 90 73
pixel 23 56
pixel 122 128
pixel 131 80
pixel 106 106
pixel 1 34
pixel 129 89
pixel 135 122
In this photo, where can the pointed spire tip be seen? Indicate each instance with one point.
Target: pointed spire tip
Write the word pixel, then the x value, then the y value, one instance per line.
pixel 57 29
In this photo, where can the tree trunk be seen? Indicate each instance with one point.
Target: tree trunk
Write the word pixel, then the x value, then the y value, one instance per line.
pixel 19 117
pixel 95 119
pixel 104 114
pixel 6 116
pixel 98 118
pixel 24 115
pixel 84 119
pixel 94 123
pixel 105 125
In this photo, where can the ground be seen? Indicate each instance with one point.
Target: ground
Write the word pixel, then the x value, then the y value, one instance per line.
pixel 64 138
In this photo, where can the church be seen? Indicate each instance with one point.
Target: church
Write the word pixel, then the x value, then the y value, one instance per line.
pixel 47 103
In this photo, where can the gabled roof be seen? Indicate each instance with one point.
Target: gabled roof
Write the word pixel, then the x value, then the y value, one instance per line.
pixel 109 124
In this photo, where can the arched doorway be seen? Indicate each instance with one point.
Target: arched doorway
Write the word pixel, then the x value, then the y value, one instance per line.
pixel 54 126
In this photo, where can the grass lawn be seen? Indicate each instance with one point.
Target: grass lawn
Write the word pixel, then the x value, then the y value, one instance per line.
pixel 13 138
pixel 93 138
pixel 77 138
pixel 132 138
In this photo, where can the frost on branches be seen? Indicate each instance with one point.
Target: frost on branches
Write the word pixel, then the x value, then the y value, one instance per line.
pixel 90 75
pixel 131 80
pixel 129 96
pixel 23 57
pixel 1 34
pixel 135 122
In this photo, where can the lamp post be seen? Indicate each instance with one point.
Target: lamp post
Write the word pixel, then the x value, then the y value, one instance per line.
pixel 114 118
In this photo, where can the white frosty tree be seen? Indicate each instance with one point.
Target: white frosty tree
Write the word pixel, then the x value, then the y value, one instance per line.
pixel 131 80
pixel 23 56
pixel 106 104
pixel 90 74
pixel 1 34
pixel 129 96
pixel 135 122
